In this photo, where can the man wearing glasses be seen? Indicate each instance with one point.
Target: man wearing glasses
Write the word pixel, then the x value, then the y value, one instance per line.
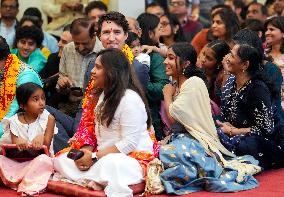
pixel 187 12
pixel 8 22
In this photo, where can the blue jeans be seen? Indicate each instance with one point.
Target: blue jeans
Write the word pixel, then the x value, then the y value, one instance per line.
pixel 66 127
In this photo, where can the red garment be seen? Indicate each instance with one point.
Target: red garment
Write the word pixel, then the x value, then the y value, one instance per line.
pixel 200 40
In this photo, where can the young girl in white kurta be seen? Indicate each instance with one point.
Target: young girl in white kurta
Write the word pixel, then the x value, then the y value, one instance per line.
pixel 29 130
pixel 119 132
pixel 32 127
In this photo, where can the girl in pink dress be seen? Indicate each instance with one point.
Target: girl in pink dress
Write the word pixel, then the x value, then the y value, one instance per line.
pixel 29 130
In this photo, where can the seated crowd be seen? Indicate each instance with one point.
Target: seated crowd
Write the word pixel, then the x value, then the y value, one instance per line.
pixel 106 95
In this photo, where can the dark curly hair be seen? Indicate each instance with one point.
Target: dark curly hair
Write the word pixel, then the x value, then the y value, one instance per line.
pixel 95 5
pixel 31 32
pixel 4 49
pixel 115 17
pixel 35 21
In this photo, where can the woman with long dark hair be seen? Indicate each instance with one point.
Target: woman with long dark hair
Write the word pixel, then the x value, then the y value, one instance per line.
pixel 225 24
pixel 250 122
pixel 172 30
pixel 122 121
pixel 211 62
pixel 274 36
pixel 195 153
pixel 151 29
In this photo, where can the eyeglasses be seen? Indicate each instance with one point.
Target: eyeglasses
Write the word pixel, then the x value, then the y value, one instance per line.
pixel 177 3
pixel 164 24
pixel 12 7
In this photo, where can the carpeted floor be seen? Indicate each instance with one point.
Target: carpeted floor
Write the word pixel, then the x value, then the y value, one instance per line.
pixel 271 185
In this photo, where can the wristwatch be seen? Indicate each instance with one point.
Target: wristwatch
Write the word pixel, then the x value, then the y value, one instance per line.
pixel 94 157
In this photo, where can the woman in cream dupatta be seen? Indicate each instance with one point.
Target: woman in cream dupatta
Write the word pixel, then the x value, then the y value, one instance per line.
pixel 195 159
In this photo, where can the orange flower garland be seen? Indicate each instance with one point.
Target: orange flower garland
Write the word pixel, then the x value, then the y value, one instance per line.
pixel 8 88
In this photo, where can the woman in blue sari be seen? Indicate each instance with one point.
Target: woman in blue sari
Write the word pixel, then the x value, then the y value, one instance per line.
pixel 195 159
pixel 251 123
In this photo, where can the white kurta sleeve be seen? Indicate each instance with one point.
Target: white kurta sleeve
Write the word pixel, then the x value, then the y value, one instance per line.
pixel 133 118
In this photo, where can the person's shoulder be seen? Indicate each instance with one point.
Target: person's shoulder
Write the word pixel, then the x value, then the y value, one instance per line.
pixel 46 115
pixel 69 47
pixel 257 83
pixel 136 62
pixel 131 96
pixel 131 93
pixel 49 36
pixel 156 57
pixel 39 53
pixel 257 87
pixel 270 66
pixel 14 51
pixel 54 56
pixel 15 116
pixel 194 81
pixel 143 56
pixel 28 74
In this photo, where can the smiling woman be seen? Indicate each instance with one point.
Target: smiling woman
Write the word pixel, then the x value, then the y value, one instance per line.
pixel 117 132
pixel 275 44
pixel 250 124
pixel 225 24
pixel 27 43
pixel 194 152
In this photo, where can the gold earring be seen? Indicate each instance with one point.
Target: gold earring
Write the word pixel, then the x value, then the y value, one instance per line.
pixel 183 71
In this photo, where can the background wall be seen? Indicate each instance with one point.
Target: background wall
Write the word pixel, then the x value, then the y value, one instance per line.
pixel 127 7
pixel 24 4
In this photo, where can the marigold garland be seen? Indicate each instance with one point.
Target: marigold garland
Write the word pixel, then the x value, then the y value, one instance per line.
pixel 8 88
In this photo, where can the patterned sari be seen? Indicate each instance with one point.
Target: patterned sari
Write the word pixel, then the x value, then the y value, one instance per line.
pixel 196 160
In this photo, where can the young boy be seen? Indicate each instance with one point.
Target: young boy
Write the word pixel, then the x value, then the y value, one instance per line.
pixel 134 43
